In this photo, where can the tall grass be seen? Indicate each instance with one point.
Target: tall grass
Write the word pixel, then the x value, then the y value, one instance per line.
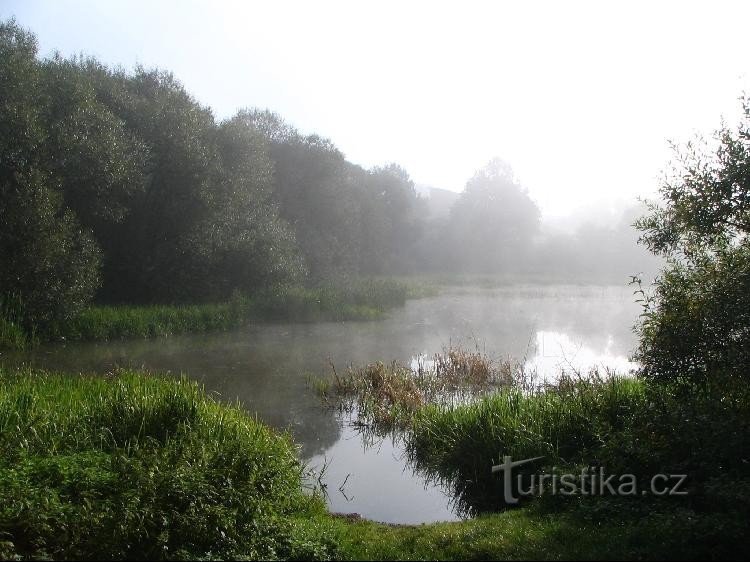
pixel 101 323
pixel 383 397
pixel 358 300
pixel 622 424
pixel 458 445
pixel 12 334
pixel 140 466
pixel 461 413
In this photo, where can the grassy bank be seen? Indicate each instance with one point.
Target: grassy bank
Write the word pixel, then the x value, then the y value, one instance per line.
pixel 131 465
pixel 137 466
pixel 581 425
pixel 612 532
pixel 358 300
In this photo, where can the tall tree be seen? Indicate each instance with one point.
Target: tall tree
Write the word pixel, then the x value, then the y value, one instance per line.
pixel 47 261
pixel 493 223
pixel 696 322
pixel 313 188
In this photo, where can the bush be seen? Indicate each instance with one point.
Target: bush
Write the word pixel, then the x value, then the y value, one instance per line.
pixel 697 322
pixel 696 325
pixel 136 466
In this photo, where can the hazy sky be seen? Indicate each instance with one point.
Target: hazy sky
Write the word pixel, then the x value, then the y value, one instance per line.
pixel 579 98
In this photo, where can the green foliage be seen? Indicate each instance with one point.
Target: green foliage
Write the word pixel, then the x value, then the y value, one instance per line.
pixel 706 195
pixel 137 466
pixel 703 432
pixel 358 300
pixel 103 323
pixel 46 260
pixel 696 323
pixel 622 533
pixel 624 425
pixel 390 223
pixel 123 183
pixel 456 445
pixel 12 334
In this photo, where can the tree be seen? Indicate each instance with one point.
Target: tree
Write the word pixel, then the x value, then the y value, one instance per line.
pixel 696 323
pixel 707 196
pixel 48 262
pixel 313 189
pixel 390 220
pixel 493 223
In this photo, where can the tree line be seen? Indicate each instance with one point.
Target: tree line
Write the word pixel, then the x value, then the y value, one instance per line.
pixel 119 186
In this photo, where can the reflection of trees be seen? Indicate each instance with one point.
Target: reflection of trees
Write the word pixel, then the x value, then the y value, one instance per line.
pixel 265 367
pixel 468 494
pixel 258 367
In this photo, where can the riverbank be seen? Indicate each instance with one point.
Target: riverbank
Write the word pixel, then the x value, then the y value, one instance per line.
pixel 131 465
pixel 677 455
pixel 357 300
pixel 135 465
pixel 612 532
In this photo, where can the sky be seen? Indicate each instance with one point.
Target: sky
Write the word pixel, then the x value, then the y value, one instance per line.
pixel 580 99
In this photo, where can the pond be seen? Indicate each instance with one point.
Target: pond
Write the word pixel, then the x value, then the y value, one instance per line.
pixel 266 367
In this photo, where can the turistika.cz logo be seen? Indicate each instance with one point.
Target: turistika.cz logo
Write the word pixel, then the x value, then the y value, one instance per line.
pixel 590 482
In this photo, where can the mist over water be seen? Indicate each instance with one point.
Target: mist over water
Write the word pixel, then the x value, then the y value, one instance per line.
pixel 266 367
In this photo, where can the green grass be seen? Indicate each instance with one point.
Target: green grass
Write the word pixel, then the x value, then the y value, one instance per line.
pixel 131 465
pixel 617 532
pixel 12 334
pixel 625 425
pixel 101 323
pixel 138 466
pixel 566 426
pixel 356 300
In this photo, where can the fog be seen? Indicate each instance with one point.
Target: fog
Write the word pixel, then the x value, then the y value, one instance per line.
pixel 438 199
pixel 580 98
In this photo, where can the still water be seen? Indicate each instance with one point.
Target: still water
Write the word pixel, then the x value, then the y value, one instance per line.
pixel 266 368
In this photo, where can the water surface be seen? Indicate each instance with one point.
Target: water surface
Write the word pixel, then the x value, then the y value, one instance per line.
pixel 266 368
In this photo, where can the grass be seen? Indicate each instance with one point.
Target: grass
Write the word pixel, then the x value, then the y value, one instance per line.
pixel 385 397
pixel 132 465
pixel 103 323
pixel 566 426
pixel 621 425
pixel 12 334
pixel 138 466
pixel 622 533
pixel 357 300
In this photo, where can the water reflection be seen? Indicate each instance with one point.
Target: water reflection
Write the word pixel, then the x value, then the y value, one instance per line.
pixel 374 480
pixel 556 352
pixel 265 367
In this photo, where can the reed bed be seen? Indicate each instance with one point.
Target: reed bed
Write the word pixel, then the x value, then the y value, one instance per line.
pixel 355 300
pixel 384 397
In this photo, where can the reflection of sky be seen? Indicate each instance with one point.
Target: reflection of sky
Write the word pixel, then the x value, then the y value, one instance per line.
pixel 556 352
pixel 266 366
pixel 552 353
pixel 373 481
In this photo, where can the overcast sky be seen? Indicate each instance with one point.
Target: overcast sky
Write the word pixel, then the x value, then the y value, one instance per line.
pixel 579 98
